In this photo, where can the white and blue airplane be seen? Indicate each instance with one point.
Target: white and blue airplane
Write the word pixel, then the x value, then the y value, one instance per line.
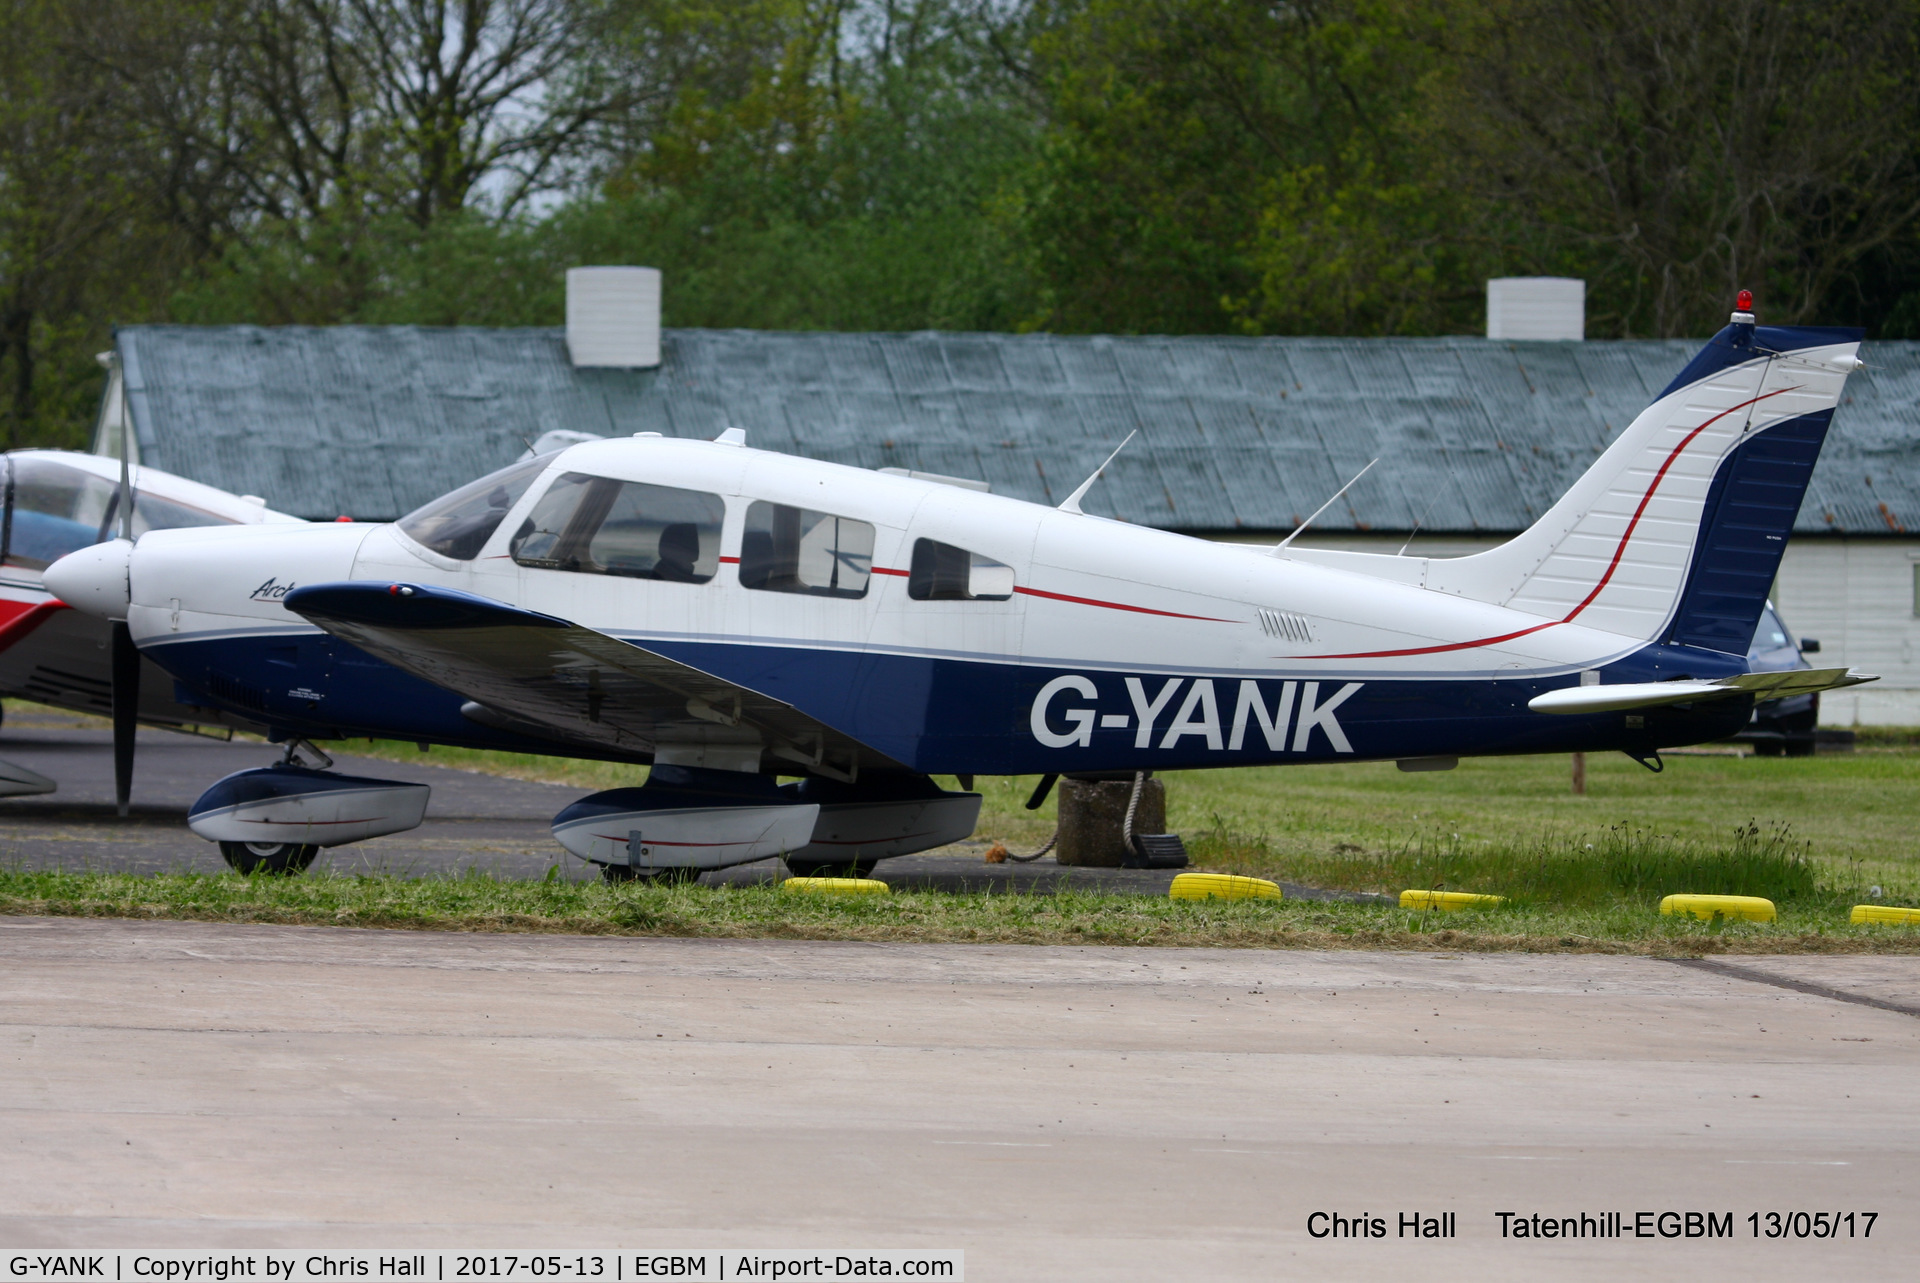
pixel 732 616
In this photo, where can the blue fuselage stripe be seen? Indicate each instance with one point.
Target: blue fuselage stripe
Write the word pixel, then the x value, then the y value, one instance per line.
pixel 962 717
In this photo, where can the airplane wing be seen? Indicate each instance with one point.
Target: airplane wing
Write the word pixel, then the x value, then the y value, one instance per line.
pixel 1606 699
pixel 538 673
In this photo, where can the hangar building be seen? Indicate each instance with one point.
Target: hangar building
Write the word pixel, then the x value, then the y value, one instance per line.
pixel 1240 438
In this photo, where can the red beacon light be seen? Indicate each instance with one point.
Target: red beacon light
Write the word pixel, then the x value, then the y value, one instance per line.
pixel 1743 308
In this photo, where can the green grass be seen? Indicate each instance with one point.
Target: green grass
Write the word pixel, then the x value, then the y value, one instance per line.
pixel 1786 828
pixel 482 904
pixel 1585 873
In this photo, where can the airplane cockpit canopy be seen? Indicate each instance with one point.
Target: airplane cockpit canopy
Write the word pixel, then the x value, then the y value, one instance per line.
pixel 53 508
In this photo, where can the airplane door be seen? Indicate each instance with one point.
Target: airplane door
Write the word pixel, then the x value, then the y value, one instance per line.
pixel 951 626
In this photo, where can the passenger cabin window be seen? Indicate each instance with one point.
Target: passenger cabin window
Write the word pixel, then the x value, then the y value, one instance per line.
pixel 942 572
pixel 458 524
pixel 599 526
pixel 799 550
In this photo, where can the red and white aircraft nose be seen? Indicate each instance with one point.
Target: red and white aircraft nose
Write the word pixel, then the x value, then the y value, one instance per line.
pixel 94 581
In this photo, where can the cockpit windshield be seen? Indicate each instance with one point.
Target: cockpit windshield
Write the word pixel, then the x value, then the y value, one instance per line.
pixel 459 524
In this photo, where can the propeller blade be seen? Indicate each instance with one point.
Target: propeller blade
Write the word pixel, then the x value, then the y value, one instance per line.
pixel 126 710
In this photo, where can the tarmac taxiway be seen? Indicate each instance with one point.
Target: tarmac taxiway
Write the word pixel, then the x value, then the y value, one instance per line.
pixel 1055 1113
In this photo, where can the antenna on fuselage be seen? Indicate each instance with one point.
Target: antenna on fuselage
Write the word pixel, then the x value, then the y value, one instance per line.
pixel 1416 525
pixel 1282 545
pixel 1072 502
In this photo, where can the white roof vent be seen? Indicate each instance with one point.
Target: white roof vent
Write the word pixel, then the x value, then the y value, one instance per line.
pixel 558 439
pixel 613 317
pixel 1536 307
pixel 939 478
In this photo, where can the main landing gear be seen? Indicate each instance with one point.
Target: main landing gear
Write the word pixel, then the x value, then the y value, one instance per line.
pixel 622 873
pixel 268 857
pixel 800 868
pixel 275 819
pixel 687 820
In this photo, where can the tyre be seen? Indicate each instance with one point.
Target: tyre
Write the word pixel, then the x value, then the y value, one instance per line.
pixel 268 857
pixel 627 873
pixel 831 868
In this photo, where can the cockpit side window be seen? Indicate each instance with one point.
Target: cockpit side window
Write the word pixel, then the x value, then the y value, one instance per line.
pixel 942 572
pixel 458 524
pixel 798 550
pixel 599 526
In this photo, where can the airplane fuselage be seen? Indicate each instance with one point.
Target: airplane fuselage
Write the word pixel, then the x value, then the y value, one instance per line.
pixel 1114 647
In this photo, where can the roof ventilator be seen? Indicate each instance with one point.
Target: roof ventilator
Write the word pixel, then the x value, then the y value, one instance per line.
pixel 613 317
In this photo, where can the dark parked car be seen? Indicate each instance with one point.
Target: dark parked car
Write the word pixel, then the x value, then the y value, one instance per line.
pixel 1781 726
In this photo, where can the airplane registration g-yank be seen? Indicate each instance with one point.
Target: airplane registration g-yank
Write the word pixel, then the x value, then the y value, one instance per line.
pixel 732 616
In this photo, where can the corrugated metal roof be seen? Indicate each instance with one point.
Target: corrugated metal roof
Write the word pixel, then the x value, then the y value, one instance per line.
pixel 1235 433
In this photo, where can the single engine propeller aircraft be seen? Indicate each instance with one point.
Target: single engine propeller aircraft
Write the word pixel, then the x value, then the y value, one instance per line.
pixel 51 502
pixel 732 616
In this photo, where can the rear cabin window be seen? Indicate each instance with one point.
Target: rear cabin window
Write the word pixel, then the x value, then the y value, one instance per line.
pixel 798 550
pixel 942 572
pixel 458 524
pixel 599 526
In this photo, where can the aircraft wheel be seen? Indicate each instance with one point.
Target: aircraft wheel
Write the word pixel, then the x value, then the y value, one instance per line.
pixel 268 857
pixel 832 868
pixel 617 873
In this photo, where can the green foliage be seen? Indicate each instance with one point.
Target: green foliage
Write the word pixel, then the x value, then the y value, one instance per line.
pixel 1175 166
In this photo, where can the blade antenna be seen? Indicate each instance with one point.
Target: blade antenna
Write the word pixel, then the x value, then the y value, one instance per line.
pixel 1072 502
pixel 1282 545
pixel 1416 525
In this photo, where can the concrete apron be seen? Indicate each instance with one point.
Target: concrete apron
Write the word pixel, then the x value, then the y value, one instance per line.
pixel 1056 1113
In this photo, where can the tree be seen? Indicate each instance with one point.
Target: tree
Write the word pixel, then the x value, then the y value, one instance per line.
pixel 298 141
pixel 75 238
pixel 1676 153
pixel 1234 164
pixel 815 163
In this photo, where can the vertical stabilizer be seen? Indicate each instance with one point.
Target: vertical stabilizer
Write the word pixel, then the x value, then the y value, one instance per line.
pixel 1676 531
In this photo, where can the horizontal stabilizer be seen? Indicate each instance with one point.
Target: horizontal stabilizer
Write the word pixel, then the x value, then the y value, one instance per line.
pixel 1607 699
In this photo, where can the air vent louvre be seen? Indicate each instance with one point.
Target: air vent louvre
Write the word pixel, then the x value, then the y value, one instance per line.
pixel 1286 626
pixel 226 689
pixel 57 687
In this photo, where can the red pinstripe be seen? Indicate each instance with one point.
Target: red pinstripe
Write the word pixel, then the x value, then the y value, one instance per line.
pixel 1619 551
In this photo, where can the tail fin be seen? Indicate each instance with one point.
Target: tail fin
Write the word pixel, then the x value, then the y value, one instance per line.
pixel 1676 532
